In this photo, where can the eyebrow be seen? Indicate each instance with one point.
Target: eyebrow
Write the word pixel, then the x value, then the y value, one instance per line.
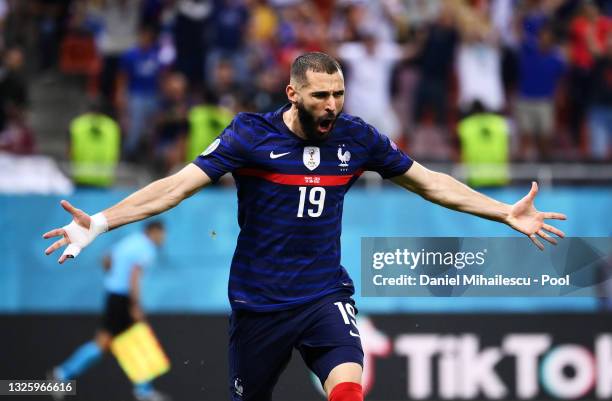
pixel 327 92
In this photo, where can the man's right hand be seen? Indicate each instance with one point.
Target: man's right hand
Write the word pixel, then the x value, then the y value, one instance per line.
pixel 78 234
pixel 137 313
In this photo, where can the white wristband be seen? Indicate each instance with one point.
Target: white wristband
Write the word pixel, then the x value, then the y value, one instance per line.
pixel 80 237
pixel 99 223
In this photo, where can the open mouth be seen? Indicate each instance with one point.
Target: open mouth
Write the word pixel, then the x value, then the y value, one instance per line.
pixel 326 125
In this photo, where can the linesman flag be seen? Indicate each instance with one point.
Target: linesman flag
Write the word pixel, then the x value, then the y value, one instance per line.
pixel 139 353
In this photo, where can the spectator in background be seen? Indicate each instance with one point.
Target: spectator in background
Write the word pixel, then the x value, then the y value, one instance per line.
pixel 78 51
pixel 117 24
pixel 171 123
pixel 347 20
pixel 370 62
pixel 13 86
pixel 263 23
pixel 588 31
pixel 270 93
pixel 479 65
pixel 15 134
pixel 532 16
pixel 503 18
pixel 228 26
pixel 435 61
pixel 189 39
pixel 95 146
pixel 261 40
pixel 225 87
pixel 140 72
pixel 301 30
pixel 600 105
pixel 49 32
pixel 17 138
pixel 541 66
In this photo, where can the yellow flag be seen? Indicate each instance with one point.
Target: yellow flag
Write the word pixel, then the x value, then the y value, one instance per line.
pixel 139 353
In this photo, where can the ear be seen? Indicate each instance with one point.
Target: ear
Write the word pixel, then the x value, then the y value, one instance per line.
pixel 292 94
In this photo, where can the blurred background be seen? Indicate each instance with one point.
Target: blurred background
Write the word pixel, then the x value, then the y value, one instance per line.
pixel 99 97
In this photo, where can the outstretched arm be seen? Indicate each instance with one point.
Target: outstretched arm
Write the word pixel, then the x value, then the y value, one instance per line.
pixel 157 197
pixel 448 192
pixel 153 199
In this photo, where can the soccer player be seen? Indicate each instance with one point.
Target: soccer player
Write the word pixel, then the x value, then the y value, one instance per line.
pixel 292 168
pixel 124 267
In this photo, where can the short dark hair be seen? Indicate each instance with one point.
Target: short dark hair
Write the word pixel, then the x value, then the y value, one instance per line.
pixel 313 61
pixel 154 225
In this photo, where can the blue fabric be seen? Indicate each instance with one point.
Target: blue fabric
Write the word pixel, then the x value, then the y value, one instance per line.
pixel 539 72
pixel 134 250
pixel 532 23
pixel 600 122
pixel 290 202
pixel 260 345
pixel 229 24
pixel 85 356
pixel 143 389
pixel 142 67
pixel 142 109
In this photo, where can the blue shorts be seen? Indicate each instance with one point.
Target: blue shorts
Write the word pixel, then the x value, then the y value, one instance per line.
pixel 261 343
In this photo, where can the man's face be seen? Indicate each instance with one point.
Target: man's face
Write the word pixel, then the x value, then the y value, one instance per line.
pixel 158 236
pixel 319 102
pixel 14 59
pixel 146 38
pixel 546 39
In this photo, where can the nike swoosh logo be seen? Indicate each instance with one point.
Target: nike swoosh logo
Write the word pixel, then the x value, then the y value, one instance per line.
pixel 276 156
pixel 353 334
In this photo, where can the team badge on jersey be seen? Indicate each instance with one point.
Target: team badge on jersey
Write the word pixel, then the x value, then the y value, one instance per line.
pixel 344 157
pixel 211 148
pixel 312 157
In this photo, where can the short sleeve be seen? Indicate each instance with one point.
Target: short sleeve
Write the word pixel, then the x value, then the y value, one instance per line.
pixel 349 52
pixel 385 157
pixel 391 51
pixel 145 258
pixel 227 152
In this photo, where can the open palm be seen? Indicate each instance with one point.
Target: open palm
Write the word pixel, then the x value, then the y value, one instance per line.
pixel 79 217
pixel 525 218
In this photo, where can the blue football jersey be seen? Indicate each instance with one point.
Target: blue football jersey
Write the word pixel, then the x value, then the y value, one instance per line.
pixel 290 197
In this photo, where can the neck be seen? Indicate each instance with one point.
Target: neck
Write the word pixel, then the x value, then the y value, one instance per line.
pixel 291 120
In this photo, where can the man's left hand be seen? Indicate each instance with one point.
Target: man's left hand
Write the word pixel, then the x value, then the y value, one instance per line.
pixel 525 218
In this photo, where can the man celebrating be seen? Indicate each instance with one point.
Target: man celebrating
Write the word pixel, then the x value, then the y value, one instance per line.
pixel 292 168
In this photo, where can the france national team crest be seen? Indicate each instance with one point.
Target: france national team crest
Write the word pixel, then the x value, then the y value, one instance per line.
pixel 312 157
pixel 344 156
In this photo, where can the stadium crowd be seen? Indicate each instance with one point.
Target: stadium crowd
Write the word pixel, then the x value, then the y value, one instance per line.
pixel 172 72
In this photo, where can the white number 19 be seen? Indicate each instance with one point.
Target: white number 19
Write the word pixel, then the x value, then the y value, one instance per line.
pixel 316 198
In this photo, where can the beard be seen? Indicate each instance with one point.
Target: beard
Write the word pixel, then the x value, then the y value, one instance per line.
pixel 315 129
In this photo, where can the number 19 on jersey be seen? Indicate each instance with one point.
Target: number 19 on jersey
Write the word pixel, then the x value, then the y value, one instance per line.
pixel 316 198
